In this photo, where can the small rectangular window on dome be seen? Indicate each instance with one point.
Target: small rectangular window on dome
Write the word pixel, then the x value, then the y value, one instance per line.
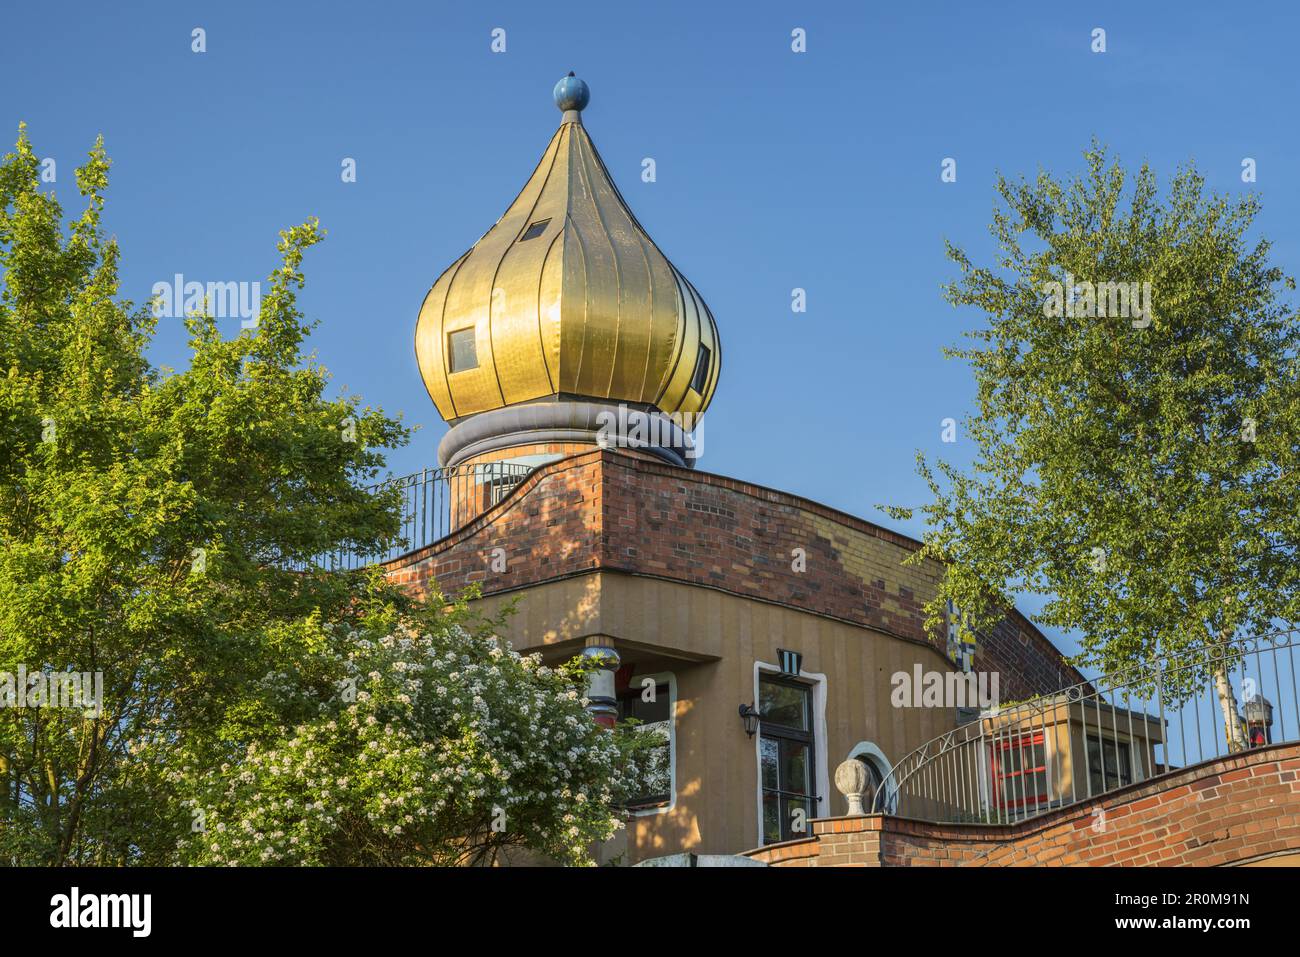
pixel 461 350
pixel 535 230
pixel 700 378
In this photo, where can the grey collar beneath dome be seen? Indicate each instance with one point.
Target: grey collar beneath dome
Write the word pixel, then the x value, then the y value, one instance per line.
pixel 600 423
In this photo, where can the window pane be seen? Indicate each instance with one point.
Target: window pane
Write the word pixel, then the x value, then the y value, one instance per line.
pixel 656 785
pixel 535 230
pixel 1010 760
pixel 783 704
pixel 771 819
pixel 768 751
pixel 700 376
pixel 1021 769
pixel 795 767
pixel 797 812
pixel 1029 757
pixel 461 347
pixel 1118 768
pixel 1036 785
pixel 632 704
pixel 655 723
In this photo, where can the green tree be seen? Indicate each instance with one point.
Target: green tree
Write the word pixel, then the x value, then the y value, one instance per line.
pixel 1138 469
pixel 159 528
pixel 148 519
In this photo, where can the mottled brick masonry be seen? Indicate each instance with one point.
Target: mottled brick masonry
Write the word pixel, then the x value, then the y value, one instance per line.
pixel 606 509
pixel 1220 812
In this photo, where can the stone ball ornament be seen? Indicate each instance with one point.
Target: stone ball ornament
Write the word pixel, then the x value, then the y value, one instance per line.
pixel 852 781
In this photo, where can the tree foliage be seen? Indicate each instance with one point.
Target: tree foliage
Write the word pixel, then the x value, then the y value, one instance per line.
pixel 1140 470
pixel 421 738
pixel 159 528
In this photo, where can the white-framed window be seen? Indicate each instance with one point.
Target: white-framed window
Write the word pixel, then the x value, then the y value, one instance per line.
pixel 790 752
pixel 652 701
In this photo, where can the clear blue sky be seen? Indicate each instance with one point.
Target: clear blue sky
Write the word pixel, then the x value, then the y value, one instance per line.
pixel 775 170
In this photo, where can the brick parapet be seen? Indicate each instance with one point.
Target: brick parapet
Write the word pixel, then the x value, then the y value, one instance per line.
pixel 611 511
pixel 1224 811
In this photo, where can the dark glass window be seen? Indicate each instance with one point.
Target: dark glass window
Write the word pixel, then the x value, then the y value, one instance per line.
pixel 655 718
pixel 535 230
pixel 462 349
pixel 785 750
pixel 631 703
pixel 700 377
pixel 1108 767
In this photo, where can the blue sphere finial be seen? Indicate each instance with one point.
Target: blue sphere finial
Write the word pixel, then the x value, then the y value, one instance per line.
pixel 571 93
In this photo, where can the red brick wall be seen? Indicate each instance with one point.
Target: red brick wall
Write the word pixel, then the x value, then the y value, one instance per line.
pixel 550 527
pixel 1220 812
pixel 610 510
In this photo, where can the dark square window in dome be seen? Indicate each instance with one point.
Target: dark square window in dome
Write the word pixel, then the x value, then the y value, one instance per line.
pixel 700 377
pixel 462 350
pixel 535 230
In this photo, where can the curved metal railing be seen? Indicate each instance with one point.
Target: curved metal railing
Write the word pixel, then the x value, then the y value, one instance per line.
pixel 435 502
pixel 1018 761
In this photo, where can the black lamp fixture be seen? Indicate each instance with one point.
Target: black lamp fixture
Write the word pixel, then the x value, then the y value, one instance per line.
pixel 749 714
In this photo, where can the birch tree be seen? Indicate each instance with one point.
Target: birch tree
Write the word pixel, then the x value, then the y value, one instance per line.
pixel 1136 427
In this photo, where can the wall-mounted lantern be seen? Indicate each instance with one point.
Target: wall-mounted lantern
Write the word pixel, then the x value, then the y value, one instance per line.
pixel 749 714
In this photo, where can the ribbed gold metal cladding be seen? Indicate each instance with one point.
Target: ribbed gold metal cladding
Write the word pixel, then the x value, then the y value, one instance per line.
pixel 589 306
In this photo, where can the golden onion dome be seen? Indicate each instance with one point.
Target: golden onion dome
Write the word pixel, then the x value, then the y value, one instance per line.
pixel 566 296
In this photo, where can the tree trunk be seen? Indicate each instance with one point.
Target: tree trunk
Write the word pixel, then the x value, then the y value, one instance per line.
pixel 1233 733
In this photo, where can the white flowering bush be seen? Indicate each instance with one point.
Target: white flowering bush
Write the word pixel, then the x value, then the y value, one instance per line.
pixel 653 757
pixel 425 739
